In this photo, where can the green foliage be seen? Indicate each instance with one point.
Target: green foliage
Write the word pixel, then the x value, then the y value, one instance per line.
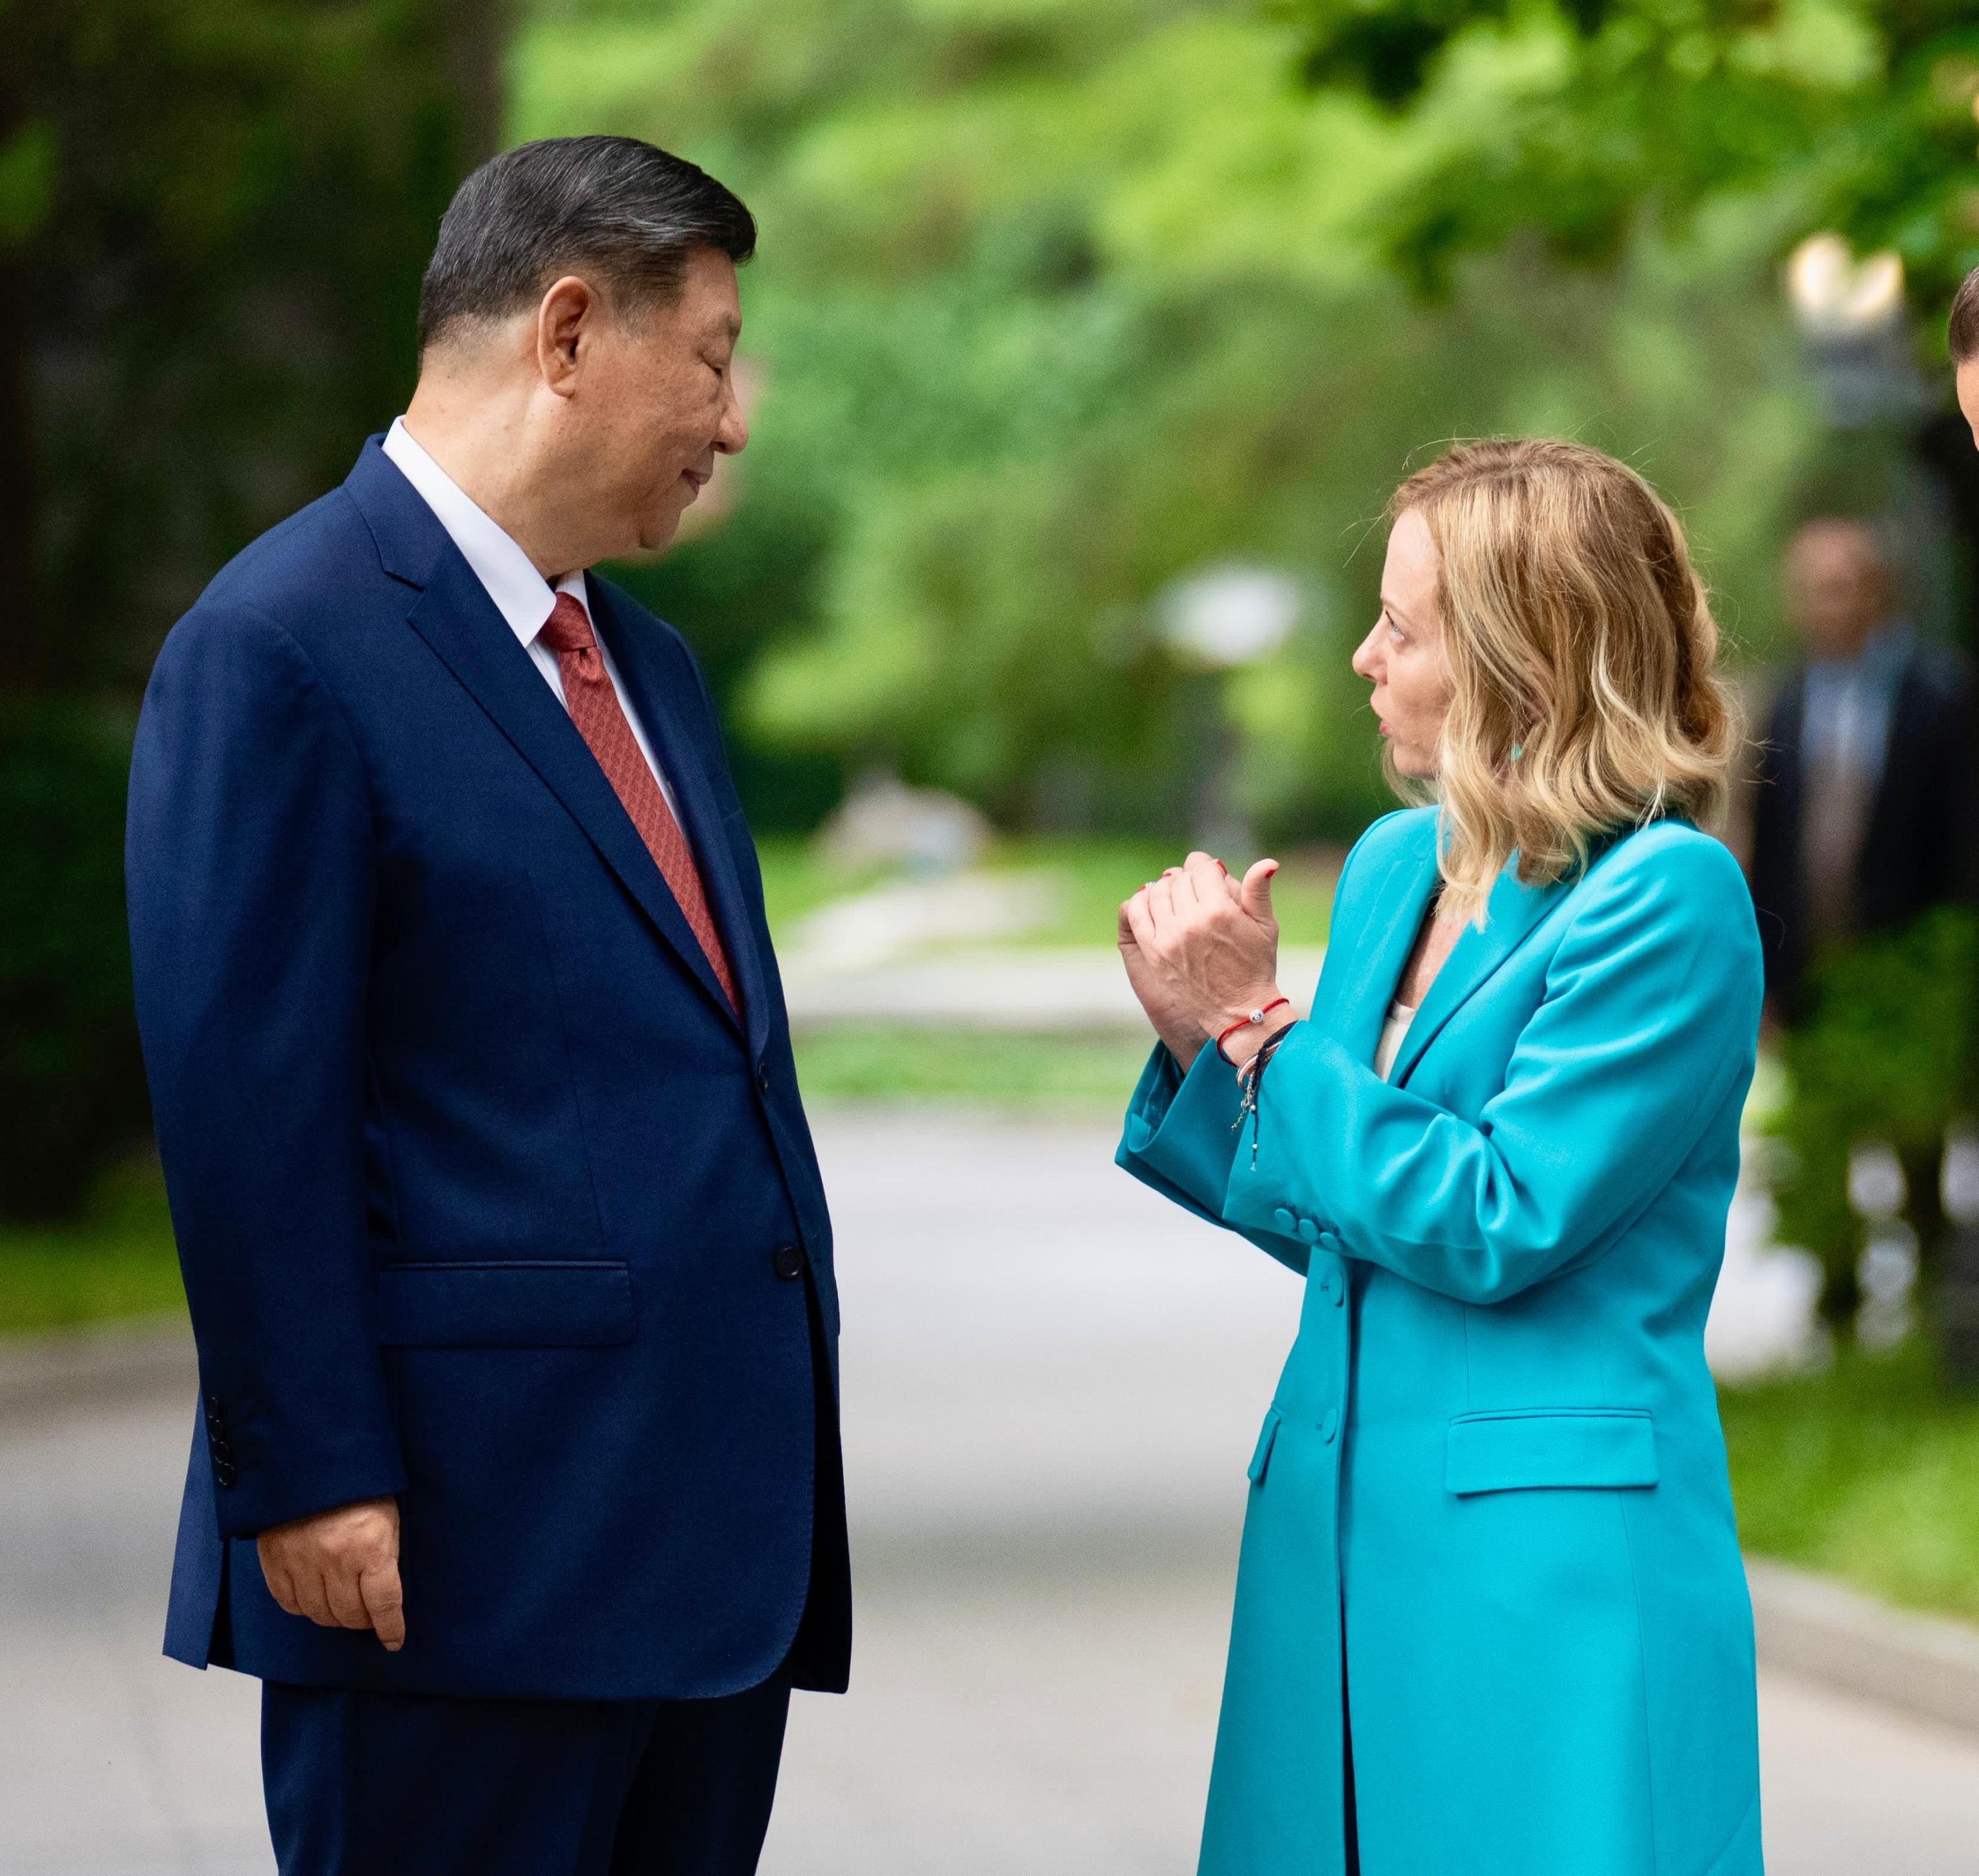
pixel 71 1086
pixel 1601 110
pixel 1886 1055
pixel 116 1259
pixel 1869 1471
pixel 213 222
pixel 1059 300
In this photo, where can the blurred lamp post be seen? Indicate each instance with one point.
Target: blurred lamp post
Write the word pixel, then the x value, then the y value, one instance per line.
pixel 1216 620
pixel 1850 316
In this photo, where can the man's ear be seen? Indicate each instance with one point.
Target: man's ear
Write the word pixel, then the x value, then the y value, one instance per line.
pixel 564 317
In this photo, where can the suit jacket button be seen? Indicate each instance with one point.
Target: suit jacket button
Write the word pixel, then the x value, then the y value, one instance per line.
pixel 224 1475
pixel 788 1262
pixel 1309 1231
pixel 763 1077
pixel 1283 1220
pixel 1329 1426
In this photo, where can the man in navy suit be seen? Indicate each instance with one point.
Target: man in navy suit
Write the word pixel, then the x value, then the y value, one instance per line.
pixel 516 1475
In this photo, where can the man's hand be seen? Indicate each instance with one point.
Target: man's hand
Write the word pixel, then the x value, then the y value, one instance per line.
pixel 339 1568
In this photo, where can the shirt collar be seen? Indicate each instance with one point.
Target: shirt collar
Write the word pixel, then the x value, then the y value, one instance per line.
pixel 522 596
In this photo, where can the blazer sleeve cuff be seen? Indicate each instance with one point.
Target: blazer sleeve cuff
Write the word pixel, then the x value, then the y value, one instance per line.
pixel 1180 1135
pixel 251 1496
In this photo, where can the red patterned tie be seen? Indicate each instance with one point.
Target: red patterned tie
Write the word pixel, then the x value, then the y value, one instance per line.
pixel 594 709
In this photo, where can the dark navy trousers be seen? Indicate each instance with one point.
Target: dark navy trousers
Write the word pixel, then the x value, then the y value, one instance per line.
pixel 387 1784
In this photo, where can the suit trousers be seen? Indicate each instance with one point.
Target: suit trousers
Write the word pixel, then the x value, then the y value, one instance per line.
pixel 364 1783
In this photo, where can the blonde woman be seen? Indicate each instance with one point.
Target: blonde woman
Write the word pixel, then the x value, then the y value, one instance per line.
pixel 1490 1615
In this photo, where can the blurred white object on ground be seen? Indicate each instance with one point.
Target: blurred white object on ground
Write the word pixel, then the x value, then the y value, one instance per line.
pixel 883 823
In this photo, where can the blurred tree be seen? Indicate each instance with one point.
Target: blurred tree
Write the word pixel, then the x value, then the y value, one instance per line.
pixel 71 1084
pixel 1861 110
pixel 212 221
pixel 1059 300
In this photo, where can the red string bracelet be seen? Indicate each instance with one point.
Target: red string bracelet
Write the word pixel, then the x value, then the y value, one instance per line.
pixel 1244 1022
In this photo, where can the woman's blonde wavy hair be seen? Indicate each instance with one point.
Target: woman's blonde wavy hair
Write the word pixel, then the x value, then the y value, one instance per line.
pixel 1580 644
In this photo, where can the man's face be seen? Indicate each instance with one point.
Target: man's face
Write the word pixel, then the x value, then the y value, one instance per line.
pixel 660 406
pixel 1967 382
pixel 1838 588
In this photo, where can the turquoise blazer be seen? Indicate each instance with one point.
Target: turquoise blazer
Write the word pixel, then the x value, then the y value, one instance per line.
pixel 1489 1568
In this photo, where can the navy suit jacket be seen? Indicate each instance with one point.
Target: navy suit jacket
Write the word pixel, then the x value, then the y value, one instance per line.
pixel 484 1197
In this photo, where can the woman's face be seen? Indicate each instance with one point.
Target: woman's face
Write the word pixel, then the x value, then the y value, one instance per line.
pixel 1402 658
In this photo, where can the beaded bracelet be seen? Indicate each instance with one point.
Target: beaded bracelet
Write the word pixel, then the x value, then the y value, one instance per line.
pixel 1244 1022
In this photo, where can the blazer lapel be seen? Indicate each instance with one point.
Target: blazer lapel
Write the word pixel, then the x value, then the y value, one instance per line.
pixel 700 812
pixel 1361 1003
pixel 1510 914
pixel 467 632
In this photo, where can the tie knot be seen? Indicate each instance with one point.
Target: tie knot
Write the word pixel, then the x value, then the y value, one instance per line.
pixel 568 628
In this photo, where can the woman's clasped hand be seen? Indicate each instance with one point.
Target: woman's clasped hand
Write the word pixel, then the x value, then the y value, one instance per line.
pixel 1202 951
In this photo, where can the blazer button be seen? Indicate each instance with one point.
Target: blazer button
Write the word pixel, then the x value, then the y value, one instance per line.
pixel 1329 1241
pixel 1283 1220
pixel 788 1262
pixel 1329 1426
pixel 763 1077
pixel 224 1475
pixel 1309 1231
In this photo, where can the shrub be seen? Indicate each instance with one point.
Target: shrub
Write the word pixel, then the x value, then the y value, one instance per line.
pixel 1887 1056
pixel 71 1082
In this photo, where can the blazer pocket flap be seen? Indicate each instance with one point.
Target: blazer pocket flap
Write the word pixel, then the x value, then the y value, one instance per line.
pixel 569 1303
pixel 1266 1437
pixel 1560 1446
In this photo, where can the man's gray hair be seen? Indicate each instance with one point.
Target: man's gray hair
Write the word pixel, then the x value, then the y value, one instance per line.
pixel 614 210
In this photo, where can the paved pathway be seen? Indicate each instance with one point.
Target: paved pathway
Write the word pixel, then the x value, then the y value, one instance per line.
pixel 1053 1384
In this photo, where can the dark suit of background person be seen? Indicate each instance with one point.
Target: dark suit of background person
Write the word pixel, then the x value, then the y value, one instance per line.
pixel 1862 810
pixel 487 1198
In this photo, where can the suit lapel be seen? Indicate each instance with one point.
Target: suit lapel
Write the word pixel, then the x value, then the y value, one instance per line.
pixel 1510 914
pixel 454 614
pixel 700 812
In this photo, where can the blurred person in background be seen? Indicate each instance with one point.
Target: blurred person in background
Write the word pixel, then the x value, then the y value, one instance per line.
pixel 515 1477
pixel 1858 814
pixel 1491 1616
pixel 1861 824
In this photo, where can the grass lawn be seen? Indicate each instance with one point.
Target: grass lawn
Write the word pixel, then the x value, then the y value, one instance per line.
pixel 118 1261
pixel 1095 875
pixel 1091 1074
pixel 1869 1472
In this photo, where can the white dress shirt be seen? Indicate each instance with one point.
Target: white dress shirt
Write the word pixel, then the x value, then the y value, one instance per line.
pixel 522 596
